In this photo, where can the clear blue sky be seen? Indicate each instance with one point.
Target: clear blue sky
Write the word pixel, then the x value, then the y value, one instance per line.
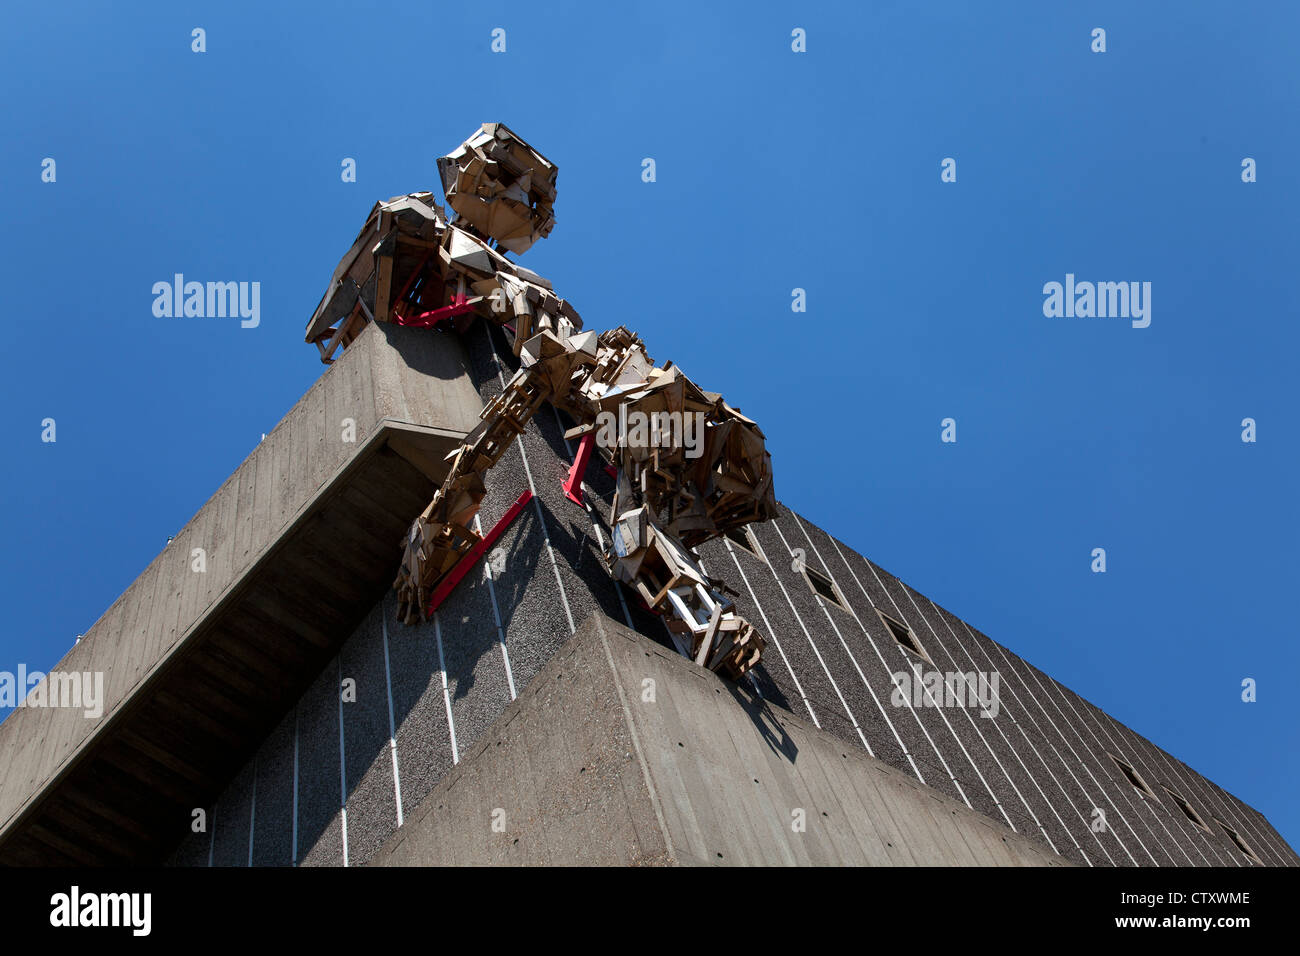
pixel 776 170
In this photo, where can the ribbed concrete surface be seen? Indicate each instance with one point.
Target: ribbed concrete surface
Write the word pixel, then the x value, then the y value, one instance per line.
pixel 1040 767
pixel 392 376
pixel 622 752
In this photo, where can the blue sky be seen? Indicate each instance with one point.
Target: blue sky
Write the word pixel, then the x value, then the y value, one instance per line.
pixel 775 170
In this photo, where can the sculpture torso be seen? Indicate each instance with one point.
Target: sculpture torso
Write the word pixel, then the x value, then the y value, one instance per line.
pixel 689 467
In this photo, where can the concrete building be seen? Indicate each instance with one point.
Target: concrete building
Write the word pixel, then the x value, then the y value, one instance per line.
pixel 541 717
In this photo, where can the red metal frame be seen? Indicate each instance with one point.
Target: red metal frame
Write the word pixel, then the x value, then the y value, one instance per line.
pixel 459 306
pixel 573 484
pixel 435 317
pixel 401 296
pixel 462 568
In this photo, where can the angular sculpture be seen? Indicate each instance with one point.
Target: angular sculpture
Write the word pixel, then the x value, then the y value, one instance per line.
pixel 689 466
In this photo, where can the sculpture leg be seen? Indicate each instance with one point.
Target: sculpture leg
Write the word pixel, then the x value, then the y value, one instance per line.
pixel 671 582
pixel 441 535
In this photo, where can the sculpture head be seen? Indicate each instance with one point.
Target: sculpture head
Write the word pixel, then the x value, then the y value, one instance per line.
pixel 500 187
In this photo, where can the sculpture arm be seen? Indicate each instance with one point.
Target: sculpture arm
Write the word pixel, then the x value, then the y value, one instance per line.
pixel 672 493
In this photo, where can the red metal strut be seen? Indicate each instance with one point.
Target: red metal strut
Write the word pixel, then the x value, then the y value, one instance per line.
pixel 573 484
pixel 459 306
pixel 462 568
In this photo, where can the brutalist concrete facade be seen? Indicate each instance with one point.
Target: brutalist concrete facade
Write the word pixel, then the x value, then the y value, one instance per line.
pixel 621 752
pixel 335 773
pixel 1041 768
pixel 205 651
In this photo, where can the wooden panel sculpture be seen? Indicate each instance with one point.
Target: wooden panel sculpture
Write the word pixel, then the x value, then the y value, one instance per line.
pixel 690 467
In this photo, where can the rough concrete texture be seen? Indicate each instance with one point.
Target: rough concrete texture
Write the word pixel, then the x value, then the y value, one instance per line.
pixel 392 375
pixel 1039 769
pixel 331 780
pixel 622 752
pixel 554 780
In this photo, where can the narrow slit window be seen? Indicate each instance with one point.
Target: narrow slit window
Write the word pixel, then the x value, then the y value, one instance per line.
pixel 824 586
pixel 903 634
pixel 1241 844
pixel 1188 810
pixel 1134 777
pixel 743 538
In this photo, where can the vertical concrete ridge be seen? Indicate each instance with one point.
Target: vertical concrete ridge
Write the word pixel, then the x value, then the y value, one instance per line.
pixel 620 752
pixel 554 780
pixel 238 609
